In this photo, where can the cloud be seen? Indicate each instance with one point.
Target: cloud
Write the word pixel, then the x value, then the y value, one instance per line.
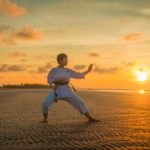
pixel 42 69
pixel 27 33
pixel 115 69
pixel 48 65
pixel 17 54
pixel 79 67
pixel 12 9
pixel 39 57
pixel 145 11
pixel 93 54
pixel 6 40
pixel 10 36
pixel 29 66
pixel 4 35
pixel 132 37
pixel 111 70
pixel 23 60
pixel 7 68
pixel 118 52
pixel 130 64
pixel 6 28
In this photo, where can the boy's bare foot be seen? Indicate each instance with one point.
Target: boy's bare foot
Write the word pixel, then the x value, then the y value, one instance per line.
pixel 94 120
pixel 43 121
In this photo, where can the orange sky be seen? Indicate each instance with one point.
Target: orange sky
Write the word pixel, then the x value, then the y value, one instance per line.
pixel 111 35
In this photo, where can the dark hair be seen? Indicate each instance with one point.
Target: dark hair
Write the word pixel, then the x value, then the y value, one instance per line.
pixel 61 56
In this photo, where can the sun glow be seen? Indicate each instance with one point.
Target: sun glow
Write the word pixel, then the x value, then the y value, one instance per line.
pixel 141 91
pixel 141 75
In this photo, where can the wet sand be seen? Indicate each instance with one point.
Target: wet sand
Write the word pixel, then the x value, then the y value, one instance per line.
pixel 124 122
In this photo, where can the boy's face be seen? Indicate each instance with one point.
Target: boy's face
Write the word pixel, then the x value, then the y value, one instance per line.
pixel 64 62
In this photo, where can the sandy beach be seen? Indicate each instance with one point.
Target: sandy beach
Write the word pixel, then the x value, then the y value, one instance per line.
pixel 124 121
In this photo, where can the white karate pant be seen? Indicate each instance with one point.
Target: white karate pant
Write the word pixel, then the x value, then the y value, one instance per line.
pixel 75 101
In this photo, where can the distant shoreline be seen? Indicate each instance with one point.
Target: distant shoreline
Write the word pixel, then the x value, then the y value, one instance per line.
pixel 24 86
pixel 81 89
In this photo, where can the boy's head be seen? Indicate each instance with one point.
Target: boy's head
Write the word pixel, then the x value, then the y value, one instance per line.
pixel 62 59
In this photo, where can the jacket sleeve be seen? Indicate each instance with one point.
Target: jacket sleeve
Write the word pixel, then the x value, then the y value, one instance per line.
pixel 77 75
pixel 50 77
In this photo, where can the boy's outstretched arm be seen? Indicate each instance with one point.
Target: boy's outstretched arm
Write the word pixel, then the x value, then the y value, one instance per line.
pixel 79 75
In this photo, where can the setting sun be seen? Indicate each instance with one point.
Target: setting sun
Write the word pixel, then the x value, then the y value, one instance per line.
pixel 141 75
pixel 141 91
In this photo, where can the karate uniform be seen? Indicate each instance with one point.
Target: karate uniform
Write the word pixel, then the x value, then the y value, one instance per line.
pixel 64 92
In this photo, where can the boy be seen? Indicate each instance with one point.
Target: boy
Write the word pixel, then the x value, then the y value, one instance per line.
pixel 58 78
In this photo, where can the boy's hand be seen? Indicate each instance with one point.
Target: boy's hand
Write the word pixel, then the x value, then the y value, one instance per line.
pixel 90 67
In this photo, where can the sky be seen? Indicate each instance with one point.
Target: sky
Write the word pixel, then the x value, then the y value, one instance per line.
pixel 113 35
